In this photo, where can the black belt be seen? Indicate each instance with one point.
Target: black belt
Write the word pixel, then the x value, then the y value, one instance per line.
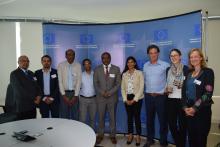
pixel 69 90
pixel 88 97
pixel 155 94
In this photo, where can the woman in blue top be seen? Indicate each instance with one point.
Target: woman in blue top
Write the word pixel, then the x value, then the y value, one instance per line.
pixel 197 98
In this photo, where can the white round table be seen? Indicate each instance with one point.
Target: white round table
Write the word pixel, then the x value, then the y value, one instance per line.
pixel 49 132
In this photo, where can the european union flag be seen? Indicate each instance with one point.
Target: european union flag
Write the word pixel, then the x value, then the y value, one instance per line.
pixel 86 39
pixel 160 35
pixel 126 37
pixel 49 38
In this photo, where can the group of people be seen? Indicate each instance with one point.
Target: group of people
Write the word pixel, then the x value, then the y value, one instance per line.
pixel 180 95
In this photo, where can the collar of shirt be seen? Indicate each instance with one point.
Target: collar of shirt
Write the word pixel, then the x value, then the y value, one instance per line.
pixel 107 65
pixel 24 70
pixel 128 74
pixel 158 63
pixel 46 71
pixel 91 73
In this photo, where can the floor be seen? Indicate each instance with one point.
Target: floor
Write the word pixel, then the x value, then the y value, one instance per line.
pixel 213 140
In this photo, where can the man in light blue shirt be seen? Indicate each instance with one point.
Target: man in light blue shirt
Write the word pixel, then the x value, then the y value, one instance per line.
pixel 47 80
pixel 155 99
pixel 87 103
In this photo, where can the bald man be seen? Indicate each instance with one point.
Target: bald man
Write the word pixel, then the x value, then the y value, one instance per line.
pixel 26 91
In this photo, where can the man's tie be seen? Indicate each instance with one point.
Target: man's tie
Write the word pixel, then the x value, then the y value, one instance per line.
pixel 28 75
pixel 106 72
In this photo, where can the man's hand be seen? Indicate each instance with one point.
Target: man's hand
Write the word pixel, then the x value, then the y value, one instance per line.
pixel 66 100
pixel 48 100
pixel 73 100
pixel 106 94
pixel 37 100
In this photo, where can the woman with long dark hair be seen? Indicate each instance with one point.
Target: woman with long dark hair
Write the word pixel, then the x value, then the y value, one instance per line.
pixel 132 89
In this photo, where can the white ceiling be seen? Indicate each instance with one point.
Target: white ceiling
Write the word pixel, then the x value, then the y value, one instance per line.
pixel 104 10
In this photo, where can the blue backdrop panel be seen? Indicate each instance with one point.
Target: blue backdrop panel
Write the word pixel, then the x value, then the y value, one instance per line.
pixel 123 40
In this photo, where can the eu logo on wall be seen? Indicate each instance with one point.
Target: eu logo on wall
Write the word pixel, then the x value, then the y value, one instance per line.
pixel 49 38
pixel 126 38
pixel 86 39
pixel 160 35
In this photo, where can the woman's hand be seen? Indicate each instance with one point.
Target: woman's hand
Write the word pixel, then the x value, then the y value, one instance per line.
pixel 131 102
pixel 190 111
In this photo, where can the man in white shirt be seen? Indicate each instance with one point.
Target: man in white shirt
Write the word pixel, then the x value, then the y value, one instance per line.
pixel 87 103
pixel 69 76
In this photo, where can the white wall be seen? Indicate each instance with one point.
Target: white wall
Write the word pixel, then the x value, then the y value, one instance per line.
pixel 7 55
pixel 213 62
pixel 31 45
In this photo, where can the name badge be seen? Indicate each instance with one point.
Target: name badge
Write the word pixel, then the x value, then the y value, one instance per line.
pixel 111 75
pixel 197 82
pixel 53 76
pixel 35 79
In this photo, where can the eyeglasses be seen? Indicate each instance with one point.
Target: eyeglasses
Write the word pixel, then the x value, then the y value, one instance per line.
pixel 174 56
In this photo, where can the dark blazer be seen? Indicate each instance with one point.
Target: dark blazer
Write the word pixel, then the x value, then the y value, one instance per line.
pixel 54 87
pixel 204 90
pixel 25 89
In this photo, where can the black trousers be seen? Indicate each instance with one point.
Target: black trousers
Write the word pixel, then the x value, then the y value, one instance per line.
pixel 134 111
pixel 176 121
pixel 27 114
pixel 46 109
pixel 199 127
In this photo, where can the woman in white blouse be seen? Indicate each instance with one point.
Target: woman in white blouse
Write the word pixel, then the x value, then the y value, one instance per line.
pixel 176 74
pixel 132 89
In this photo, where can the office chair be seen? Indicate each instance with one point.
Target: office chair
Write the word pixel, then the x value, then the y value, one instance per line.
pixel 9 108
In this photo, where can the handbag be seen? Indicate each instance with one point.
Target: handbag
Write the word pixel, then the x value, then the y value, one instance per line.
pixel 130 97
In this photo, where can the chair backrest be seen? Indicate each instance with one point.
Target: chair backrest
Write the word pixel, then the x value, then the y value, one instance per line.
pixel 2 110
pixel 10 100
pixel 9 110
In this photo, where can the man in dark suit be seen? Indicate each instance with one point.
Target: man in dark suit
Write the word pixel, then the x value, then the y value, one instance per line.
pixel 47 80
pixel 107 80
pixel 26 92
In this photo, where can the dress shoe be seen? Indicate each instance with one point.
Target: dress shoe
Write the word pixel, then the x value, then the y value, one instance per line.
pixel 99 139
pixel 138 141
pixel 149 143
pixel 163 145
pixel 113 140
pixel 130 139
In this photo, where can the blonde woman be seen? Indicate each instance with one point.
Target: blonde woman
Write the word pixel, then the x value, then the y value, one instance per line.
pixel 197 98
pixel 132 89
